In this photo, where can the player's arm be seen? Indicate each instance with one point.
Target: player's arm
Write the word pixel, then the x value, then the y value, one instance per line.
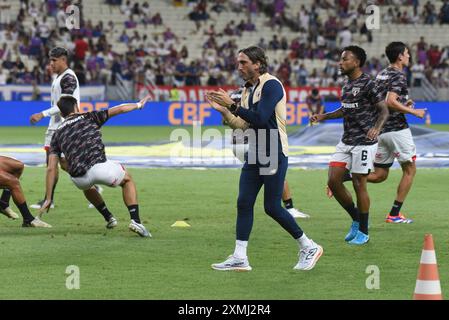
pixel 127 107
pixel 68 85
pixel 393 103
pixel 309 106
pixel 272 93
pixel 321 109
pixel 231 120
pixel 235 122
pixel 36 117
pixel 52 171
pixel 326 116
pixel 382 108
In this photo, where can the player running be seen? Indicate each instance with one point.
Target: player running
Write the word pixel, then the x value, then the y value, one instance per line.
pixel 396 139
pixel 364 113
pixel 79 139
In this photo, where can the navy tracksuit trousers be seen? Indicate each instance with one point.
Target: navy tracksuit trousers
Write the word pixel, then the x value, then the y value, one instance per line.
pixel 250 183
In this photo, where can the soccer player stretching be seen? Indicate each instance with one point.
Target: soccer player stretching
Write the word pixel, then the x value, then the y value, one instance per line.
pixel 65 82
pixel 396 139
pixel 10 172
pixel 364 113
pixel 79 138
pixel 263 112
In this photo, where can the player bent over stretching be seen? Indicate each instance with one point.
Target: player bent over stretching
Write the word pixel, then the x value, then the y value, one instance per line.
pixel 79 138
pixel 10 172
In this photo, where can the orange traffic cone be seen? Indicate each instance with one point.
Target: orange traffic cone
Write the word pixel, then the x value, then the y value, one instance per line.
pixel 428 282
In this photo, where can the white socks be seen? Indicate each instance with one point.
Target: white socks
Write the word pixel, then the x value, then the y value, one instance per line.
pixel 241 246
pixel 240 249
pixel 303 241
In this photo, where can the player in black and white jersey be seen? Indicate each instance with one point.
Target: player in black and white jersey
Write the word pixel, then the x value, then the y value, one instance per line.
pixel 395 140
pixel 364 113
pixel 79 139
pixel 64 83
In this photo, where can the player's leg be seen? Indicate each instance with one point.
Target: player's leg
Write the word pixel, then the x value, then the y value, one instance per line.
pixel 11 182
pixel 96 199
pixel 404 147
pixel 384 159
pixel 130 198
pixel 379 175
pixel 346 177
pixel 249 186
pixel 100 191
pixel 14 167
pixel 64 166
pixel 339 166
pixel 340 192
pixel 310 252
pixel 337 172
pixel 408 174
pixel 287 196
pixel 362 165
pixel 363 200
pixel 288 203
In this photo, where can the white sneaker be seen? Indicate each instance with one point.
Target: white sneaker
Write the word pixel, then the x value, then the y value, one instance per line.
pixel 309 256
pixel 40 203
pixel 233 263
pixel 295 213
pixel 90 206
pixel 139 229
pixel 9 213
pixel 36 223
pixel 112 223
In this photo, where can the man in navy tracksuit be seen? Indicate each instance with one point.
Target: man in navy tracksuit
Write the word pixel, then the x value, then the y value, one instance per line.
pixel 261 114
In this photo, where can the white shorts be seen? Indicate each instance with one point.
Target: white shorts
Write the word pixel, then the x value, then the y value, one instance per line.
pixel 396 144
pixel 357 159
pixel 48 135
pixel 108 173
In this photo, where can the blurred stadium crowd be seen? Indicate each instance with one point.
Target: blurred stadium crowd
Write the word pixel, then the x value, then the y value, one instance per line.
pixel 164 57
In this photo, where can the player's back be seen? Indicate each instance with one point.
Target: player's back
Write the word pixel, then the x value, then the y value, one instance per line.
pixel 79 139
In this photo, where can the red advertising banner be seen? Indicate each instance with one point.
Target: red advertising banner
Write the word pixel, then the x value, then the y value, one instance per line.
pixel 196 93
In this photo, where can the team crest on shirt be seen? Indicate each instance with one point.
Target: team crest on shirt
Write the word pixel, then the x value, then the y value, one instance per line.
pixel 355 91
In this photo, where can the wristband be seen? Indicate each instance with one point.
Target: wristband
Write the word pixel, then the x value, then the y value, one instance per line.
pixel 233 108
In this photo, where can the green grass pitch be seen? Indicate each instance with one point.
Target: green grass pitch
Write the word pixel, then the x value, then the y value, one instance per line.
pixel 175 263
